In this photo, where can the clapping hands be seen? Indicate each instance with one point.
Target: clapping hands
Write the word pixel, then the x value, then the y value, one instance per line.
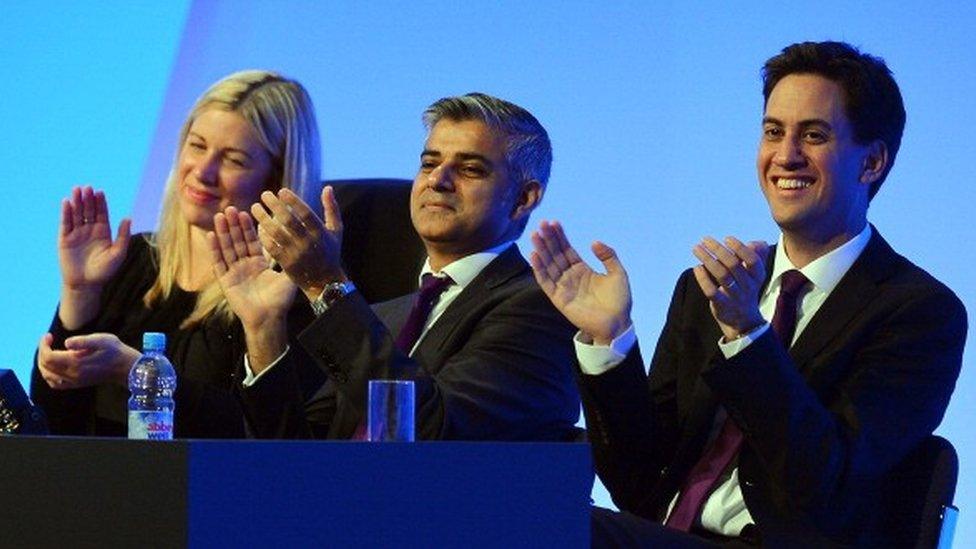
pixel 256 293
pixel 731 276
pixel 307 248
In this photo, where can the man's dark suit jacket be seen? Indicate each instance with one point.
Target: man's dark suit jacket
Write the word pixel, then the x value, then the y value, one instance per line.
pixel 496 365
pixel 868 378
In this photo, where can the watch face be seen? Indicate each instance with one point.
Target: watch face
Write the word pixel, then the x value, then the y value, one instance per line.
pixel 319 306
pixel 332 293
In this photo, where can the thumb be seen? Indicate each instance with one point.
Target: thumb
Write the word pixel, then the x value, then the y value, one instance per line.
pixel 88 342
pixel 330 209
pixel 122 239
pixel 608 257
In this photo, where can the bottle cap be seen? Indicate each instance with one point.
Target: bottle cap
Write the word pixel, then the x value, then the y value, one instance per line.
pixel 153 341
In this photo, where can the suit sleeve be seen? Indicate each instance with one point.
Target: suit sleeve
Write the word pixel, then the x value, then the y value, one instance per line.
pixel 631 418
pixel 510 379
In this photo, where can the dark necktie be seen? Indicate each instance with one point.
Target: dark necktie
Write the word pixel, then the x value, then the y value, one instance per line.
pixel 717 457
pixel 431 288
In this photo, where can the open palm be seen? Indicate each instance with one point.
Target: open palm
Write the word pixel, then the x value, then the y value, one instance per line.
pixel 86 252
pixel 254 291
pixel 598 304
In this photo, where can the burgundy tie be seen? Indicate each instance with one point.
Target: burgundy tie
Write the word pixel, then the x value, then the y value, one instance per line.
pixel 704 475
pixel 431 288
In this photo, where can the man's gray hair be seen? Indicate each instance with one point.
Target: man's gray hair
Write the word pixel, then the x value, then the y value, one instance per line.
pixel 528 150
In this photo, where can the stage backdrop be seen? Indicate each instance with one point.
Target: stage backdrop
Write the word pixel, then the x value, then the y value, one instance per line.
pixel 653 112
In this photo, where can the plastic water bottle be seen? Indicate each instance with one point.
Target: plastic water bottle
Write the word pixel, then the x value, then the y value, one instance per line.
pixel 152 381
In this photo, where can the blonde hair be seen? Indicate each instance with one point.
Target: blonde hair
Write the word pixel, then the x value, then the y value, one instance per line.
pixel 280 112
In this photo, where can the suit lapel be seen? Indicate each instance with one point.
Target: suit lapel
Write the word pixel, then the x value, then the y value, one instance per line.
pixel 854 291
pixel 393 313
pixel 503 268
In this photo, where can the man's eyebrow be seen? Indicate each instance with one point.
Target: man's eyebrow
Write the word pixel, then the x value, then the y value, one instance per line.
pixel 803 123
pixel 475 156
pixel 430 152
pixel 816 122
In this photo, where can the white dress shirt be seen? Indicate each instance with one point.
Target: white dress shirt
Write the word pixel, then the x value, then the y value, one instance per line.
pixel 725 511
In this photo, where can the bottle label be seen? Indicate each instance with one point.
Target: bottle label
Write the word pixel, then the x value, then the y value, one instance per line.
pixel 150 425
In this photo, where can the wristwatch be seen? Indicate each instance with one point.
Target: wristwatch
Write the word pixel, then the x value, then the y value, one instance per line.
pixel 334 291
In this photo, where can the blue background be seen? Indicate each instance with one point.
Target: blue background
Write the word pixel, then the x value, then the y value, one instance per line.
pixel 653 112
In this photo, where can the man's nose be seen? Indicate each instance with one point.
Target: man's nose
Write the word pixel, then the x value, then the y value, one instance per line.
pixel 789 154
pixel 439 179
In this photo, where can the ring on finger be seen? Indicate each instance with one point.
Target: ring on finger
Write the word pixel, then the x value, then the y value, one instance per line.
pixel 730 284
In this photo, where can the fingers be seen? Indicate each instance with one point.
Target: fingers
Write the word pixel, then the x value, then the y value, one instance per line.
pixel 546 282
pixel 224 238
pixel 725 267
pixel 250 233
pixel 545 269
pixel 543 253
pixel 298 210
pixel 88 205
pixel 553 241
pixel 705 282
pixel 761 249
pixel 56 367
pixel 216 257
pixel 274 249
pixel 330 209
pixel 754 263
pixel 84 345
pixel 283 218
pixel 272 234
pixel 565 246
pixel 77 216
pixel 232 217
pixel 100 215
pixel 67 214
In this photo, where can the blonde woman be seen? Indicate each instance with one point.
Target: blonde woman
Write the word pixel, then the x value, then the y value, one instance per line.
pixel 250 132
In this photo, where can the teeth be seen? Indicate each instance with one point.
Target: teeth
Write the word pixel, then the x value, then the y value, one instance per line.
pixel 783 183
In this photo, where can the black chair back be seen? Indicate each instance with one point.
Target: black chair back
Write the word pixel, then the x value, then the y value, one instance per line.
pixel 381 251
pixel 918 490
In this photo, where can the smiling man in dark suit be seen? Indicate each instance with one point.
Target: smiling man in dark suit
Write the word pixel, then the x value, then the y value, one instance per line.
pixel 787 382
pixel 490 356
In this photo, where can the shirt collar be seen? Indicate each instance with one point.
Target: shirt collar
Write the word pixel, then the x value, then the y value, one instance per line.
pixel 826 271
pixel 464 270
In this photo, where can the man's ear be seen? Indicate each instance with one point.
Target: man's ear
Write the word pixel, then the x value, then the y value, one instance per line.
pixel 875 163
pixel 529 196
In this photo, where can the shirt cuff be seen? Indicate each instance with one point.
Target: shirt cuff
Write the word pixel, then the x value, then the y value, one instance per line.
pixel 250 378
pixel 597 359
pixel 736 346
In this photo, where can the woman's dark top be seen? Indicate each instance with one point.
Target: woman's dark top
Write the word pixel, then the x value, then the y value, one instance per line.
pixel 208 358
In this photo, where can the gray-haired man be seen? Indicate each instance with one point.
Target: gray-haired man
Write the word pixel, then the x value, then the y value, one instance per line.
pixel 490 355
